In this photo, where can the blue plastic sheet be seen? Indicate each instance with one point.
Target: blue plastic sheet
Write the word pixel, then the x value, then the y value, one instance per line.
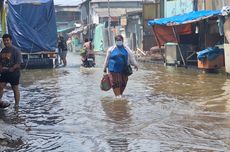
pixel 33 25
pixel 185 18
pixel 210 53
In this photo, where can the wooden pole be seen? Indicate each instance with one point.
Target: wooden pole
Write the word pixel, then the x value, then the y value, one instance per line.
pixel 158 43
pixel 174 31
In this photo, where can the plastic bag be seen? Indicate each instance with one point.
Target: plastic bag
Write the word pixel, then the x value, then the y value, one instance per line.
pixel 105 83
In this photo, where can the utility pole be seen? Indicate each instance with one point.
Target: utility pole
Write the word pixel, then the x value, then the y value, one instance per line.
pixel 109 22
pixel 195 5
pixel 89 19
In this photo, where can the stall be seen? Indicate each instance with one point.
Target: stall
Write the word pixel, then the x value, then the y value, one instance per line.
pixel 187 34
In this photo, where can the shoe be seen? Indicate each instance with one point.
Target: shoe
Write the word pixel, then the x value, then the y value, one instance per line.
pixel 4 104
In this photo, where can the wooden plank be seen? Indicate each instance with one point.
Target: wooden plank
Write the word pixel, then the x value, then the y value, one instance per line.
pixel 227 29
pixel 142 52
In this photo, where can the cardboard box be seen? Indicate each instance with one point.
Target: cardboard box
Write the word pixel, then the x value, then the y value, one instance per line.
pixel 218 62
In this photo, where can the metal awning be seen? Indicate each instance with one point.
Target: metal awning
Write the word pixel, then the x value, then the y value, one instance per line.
pixel 65 29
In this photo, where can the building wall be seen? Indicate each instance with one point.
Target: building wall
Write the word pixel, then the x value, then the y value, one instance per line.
pixel 133 31
pixel 84 15
pixel 175 7
pixel 95 17
pixel 212 4
pixel 67 16
pixel 150 11
pixel 227 2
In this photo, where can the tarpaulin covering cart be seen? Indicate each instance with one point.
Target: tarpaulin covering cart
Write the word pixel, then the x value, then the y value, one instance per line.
pixel 32 25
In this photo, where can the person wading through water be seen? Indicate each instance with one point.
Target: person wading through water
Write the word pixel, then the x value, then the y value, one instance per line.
pixel 117 58
pixel 62 49
pixel 10 62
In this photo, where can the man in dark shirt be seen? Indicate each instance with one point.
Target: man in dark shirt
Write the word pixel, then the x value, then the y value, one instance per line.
pixel 10 61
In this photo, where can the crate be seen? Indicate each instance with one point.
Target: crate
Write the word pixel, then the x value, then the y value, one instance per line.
pixel 172 53
pixel 172 56
pixel 216 63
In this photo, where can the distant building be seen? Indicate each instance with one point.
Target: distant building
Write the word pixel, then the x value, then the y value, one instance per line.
pixel 67 16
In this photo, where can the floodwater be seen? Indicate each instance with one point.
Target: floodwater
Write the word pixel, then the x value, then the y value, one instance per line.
pixel 163 109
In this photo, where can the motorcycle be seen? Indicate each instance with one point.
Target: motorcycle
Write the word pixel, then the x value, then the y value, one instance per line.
pixel 89 61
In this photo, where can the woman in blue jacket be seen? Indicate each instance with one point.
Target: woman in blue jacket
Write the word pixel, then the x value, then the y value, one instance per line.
pixel 117 58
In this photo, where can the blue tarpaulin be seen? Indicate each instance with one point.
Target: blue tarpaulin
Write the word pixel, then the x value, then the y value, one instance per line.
pixel 210 53
pixel 32 25
pixel 185 18
pixel 17 2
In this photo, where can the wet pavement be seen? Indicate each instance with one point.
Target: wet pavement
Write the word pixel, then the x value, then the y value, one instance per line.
pixel 163 109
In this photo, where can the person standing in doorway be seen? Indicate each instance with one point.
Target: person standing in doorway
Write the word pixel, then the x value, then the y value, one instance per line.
pixel 117 58
pixel 10 63
pixel 62 49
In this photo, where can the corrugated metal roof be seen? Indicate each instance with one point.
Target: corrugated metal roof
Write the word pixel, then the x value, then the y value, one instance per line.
pixel 77 2
pixel 95 1
pixel 68 2
pixel 103 12
pixel 116 1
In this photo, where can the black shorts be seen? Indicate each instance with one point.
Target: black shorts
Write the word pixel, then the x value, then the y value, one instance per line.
pixel 10 77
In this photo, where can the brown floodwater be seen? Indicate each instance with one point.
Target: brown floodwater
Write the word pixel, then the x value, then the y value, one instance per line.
pixel 163 109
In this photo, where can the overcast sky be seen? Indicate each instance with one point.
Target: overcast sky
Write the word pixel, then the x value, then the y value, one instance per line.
pixel 67 2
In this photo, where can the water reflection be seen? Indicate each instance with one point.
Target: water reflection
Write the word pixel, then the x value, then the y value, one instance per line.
pixel 117 110
pixel 186 83
pixel 221 102
pixel 118 144
pixel 29 77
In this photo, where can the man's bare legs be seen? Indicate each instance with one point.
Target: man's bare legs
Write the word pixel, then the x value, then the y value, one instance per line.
pixel 64 61
pixel 2 86
pixel 3 104
pixel 15 89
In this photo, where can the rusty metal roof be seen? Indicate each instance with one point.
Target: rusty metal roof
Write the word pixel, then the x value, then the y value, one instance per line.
pixel 103 12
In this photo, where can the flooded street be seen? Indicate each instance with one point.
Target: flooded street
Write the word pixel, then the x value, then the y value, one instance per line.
pixel 164 109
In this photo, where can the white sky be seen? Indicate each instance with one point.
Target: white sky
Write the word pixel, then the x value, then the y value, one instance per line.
pixel 67 2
